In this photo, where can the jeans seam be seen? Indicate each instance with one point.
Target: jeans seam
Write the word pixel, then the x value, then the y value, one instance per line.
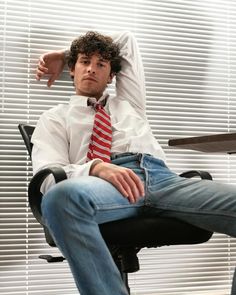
pixel 191 210
pixel 98 208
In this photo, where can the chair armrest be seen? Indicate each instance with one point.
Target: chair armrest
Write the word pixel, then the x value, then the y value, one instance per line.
pixel 34 193
pixel 192 173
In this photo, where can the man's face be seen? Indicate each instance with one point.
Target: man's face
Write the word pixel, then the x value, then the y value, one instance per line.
pixel 91 75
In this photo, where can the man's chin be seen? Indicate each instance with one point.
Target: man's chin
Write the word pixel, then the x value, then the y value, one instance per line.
pixel 90 94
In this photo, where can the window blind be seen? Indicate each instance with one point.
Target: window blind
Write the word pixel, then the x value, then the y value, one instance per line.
pixel 189 56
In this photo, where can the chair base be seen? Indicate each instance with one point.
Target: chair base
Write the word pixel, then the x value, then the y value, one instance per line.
pixel 51 259
pixel 124 275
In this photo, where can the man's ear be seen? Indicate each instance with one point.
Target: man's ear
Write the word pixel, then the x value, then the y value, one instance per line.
pixel 72 73
pixel 110 78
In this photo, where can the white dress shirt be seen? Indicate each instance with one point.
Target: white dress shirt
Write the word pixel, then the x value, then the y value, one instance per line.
pixel 62 135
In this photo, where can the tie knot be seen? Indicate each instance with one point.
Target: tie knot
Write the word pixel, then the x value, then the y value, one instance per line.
pixel 95 104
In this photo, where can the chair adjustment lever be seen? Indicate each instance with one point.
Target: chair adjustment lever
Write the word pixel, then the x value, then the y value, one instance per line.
pixel 51 258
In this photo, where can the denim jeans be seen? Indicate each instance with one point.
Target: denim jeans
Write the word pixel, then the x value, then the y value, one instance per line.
pixel 73 209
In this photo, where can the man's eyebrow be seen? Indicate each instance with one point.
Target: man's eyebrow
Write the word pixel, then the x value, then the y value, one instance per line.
pixel 103 59
pixel 83 57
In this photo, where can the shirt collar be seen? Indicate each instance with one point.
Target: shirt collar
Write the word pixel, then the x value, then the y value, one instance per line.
pixel 80 100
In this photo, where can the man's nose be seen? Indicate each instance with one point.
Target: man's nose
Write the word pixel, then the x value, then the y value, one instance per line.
pixel 91 69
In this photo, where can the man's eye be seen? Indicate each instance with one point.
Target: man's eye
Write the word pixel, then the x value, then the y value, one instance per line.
pixel 84 61
pixel 101 65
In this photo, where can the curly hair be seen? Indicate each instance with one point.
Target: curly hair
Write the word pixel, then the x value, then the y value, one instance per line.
pixel 93 42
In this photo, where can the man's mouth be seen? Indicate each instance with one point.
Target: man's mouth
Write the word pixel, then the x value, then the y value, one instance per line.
pixel 90 79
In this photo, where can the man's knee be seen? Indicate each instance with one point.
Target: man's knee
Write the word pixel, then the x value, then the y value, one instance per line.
pixel 68 195
pixel 61 197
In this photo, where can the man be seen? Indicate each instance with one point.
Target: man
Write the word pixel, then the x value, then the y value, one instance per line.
pixel 136 179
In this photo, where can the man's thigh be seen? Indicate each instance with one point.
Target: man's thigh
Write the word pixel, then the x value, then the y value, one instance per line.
pixel 93 194
pixel 204 203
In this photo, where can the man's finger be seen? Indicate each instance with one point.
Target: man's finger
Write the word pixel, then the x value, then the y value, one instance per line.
pixel 42 60
pixel 135 194
pixel 138 183
pixel 52 79
pixel 39 74
pixel 122 187
pixel 133 189
pixel 42 68
pixel 129 187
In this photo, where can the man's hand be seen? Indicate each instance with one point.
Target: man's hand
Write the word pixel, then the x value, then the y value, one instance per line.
pixel 124 179
pixel 52 64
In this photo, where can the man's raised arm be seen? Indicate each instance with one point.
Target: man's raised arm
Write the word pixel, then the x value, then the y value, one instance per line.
pixel 51 64
pixel 130 82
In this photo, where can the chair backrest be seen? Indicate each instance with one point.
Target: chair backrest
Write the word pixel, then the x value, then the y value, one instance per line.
pixel 26 133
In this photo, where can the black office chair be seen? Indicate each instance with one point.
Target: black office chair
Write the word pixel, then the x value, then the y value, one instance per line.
pixel 124 238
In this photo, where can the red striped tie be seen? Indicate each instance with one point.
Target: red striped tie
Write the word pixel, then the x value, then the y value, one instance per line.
pixel 101 138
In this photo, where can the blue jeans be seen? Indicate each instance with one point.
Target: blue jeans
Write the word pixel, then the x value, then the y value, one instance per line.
pixel 73 209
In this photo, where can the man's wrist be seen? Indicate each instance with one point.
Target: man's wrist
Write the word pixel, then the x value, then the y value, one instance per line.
pixel 66 55
pixel 94 167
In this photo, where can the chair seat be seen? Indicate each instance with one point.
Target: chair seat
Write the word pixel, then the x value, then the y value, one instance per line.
pixel 152 232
